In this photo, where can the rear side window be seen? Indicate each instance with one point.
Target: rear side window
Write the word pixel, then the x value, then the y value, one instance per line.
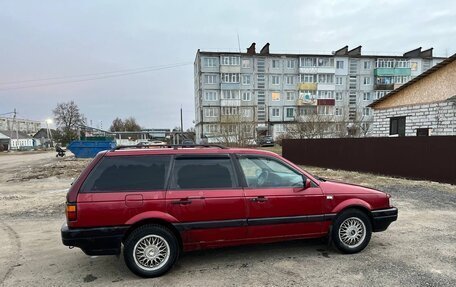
pixel 203 173
pixel 123 173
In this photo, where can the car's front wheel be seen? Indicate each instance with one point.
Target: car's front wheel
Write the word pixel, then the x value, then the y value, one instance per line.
pixel 151 250
pixel 351 231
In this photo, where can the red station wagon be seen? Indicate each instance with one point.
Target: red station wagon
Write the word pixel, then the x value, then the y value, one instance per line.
pixel 161 201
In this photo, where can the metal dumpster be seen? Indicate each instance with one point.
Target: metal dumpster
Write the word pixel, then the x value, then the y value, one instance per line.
pixel 87 149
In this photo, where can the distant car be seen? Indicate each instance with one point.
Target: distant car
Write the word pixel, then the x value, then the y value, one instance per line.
pixel 266 141
pixel 188 142
pixel 159 202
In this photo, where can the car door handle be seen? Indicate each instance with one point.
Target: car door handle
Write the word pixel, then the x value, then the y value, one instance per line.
pixel 259 199
pixel 186 200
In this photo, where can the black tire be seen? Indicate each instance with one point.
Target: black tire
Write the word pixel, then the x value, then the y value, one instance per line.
pixel 356 219
pixel 152 232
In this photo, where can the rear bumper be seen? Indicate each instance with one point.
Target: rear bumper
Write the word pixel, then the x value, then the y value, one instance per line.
pixel 94 241
pixel 382 218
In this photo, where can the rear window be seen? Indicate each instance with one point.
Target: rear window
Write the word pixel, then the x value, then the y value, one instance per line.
pixel 123 173
pixel 203 173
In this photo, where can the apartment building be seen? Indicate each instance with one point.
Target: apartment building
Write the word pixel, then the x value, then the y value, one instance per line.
pixel 22 125
pixel 263 93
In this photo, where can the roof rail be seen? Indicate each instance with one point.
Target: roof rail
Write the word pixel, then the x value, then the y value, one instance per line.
pixel 174 146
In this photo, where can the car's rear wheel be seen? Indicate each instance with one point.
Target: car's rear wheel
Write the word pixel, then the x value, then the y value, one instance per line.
pixel 151 250
pixel 351 231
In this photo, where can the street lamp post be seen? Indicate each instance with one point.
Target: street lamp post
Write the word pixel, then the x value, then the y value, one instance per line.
pixel 48 131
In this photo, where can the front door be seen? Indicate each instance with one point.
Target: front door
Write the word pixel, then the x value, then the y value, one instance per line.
pixel 278 204
pixel 205 197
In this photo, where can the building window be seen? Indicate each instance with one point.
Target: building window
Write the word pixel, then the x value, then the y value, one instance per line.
pixel 397 126
pixel 275 96
pixel 210 128
pixel 338 96
pixel 325 78
pixel 308 62
pixel 339 81
pixel 231 60
pixel 210 96
pixel 291 63
pixel 245 63
pixel 325 110
pixel 230 78
pixel 275 64
pixel 230 111
pixel 289 80
pixel 339 111
pixel 291 96
pixel 275 112
pixel 290 112
pixel 210 112
pixel 210 79
pixel 210 62
pixel 367 65
pixel 366 111
pixel 325 62
pixel 246 112
pixel 423 132
pixel 326 94
pixel 367 80
pixel 246 96
pixel 246 79
pixel 308 78
pixel 275 80
pixel 230 94
pixel 340 64
pixel 366 96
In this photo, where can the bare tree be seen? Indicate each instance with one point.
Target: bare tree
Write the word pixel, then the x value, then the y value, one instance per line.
pixel 311 125
pixel 68 119
pixel 117 125
pixel 127 125
pixel 235 130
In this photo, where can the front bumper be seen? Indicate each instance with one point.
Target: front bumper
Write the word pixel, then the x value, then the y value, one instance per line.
pixel 382 218
pixel 94 241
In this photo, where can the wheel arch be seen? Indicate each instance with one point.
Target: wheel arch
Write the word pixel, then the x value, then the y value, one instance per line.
pixel 158 221
pixel 357 204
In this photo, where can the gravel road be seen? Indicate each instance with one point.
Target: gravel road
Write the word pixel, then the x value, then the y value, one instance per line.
pixel 417 250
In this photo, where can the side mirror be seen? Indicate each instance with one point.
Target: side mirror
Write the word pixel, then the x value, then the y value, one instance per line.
pixel 307 183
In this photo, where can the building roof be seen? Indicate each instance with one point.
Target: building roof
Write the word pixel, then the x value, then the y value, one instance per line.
pixel 414 80
pixel 12 134
pixel 342 52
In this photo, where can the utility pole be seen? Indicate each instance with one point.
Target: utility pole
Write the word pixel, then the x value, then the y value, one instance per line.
pixel 182 127
pixel 17 128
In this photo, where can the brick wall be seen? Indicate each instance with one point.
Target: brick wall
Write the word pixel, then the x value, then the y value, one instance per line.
pixel 440 118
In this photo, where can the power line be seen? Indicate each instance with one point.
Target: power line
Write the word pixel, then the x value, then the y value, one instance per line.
pixel 106 76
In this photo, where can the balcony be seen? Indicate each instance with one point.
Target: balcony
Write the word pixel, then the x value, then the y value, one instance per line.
pixel 392 72
pixel 230 103
pixel 307 86
pixel 326 102
pixel 230 69
pixel 230 86
pixel 317 70
pixel 384 87
pixel 306 102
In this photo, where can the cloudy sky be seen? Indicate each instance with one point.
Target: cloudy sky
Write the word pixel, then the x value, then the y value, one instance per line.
pixel 63 40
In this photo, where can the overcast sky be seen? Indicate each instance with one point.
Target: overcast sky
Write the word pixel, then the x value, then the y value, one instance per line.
pixel 52 39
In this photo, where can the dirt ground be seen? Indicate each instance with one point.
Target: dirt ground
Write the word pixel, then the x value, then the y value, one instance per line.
pixel 417 250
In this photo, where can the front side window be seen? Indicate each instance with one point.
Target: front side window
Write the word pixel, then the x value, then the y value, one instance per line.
pixel 128 173
pixel 203 173
pixel 267 172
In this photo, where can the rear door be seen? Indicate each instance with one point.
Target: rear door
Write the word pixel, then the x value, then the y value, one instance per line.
pixel 205 196
pixel 278 206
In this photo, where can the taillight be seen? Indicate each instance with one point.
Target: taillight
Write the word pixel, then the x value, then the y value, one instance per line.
pixel 71 212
